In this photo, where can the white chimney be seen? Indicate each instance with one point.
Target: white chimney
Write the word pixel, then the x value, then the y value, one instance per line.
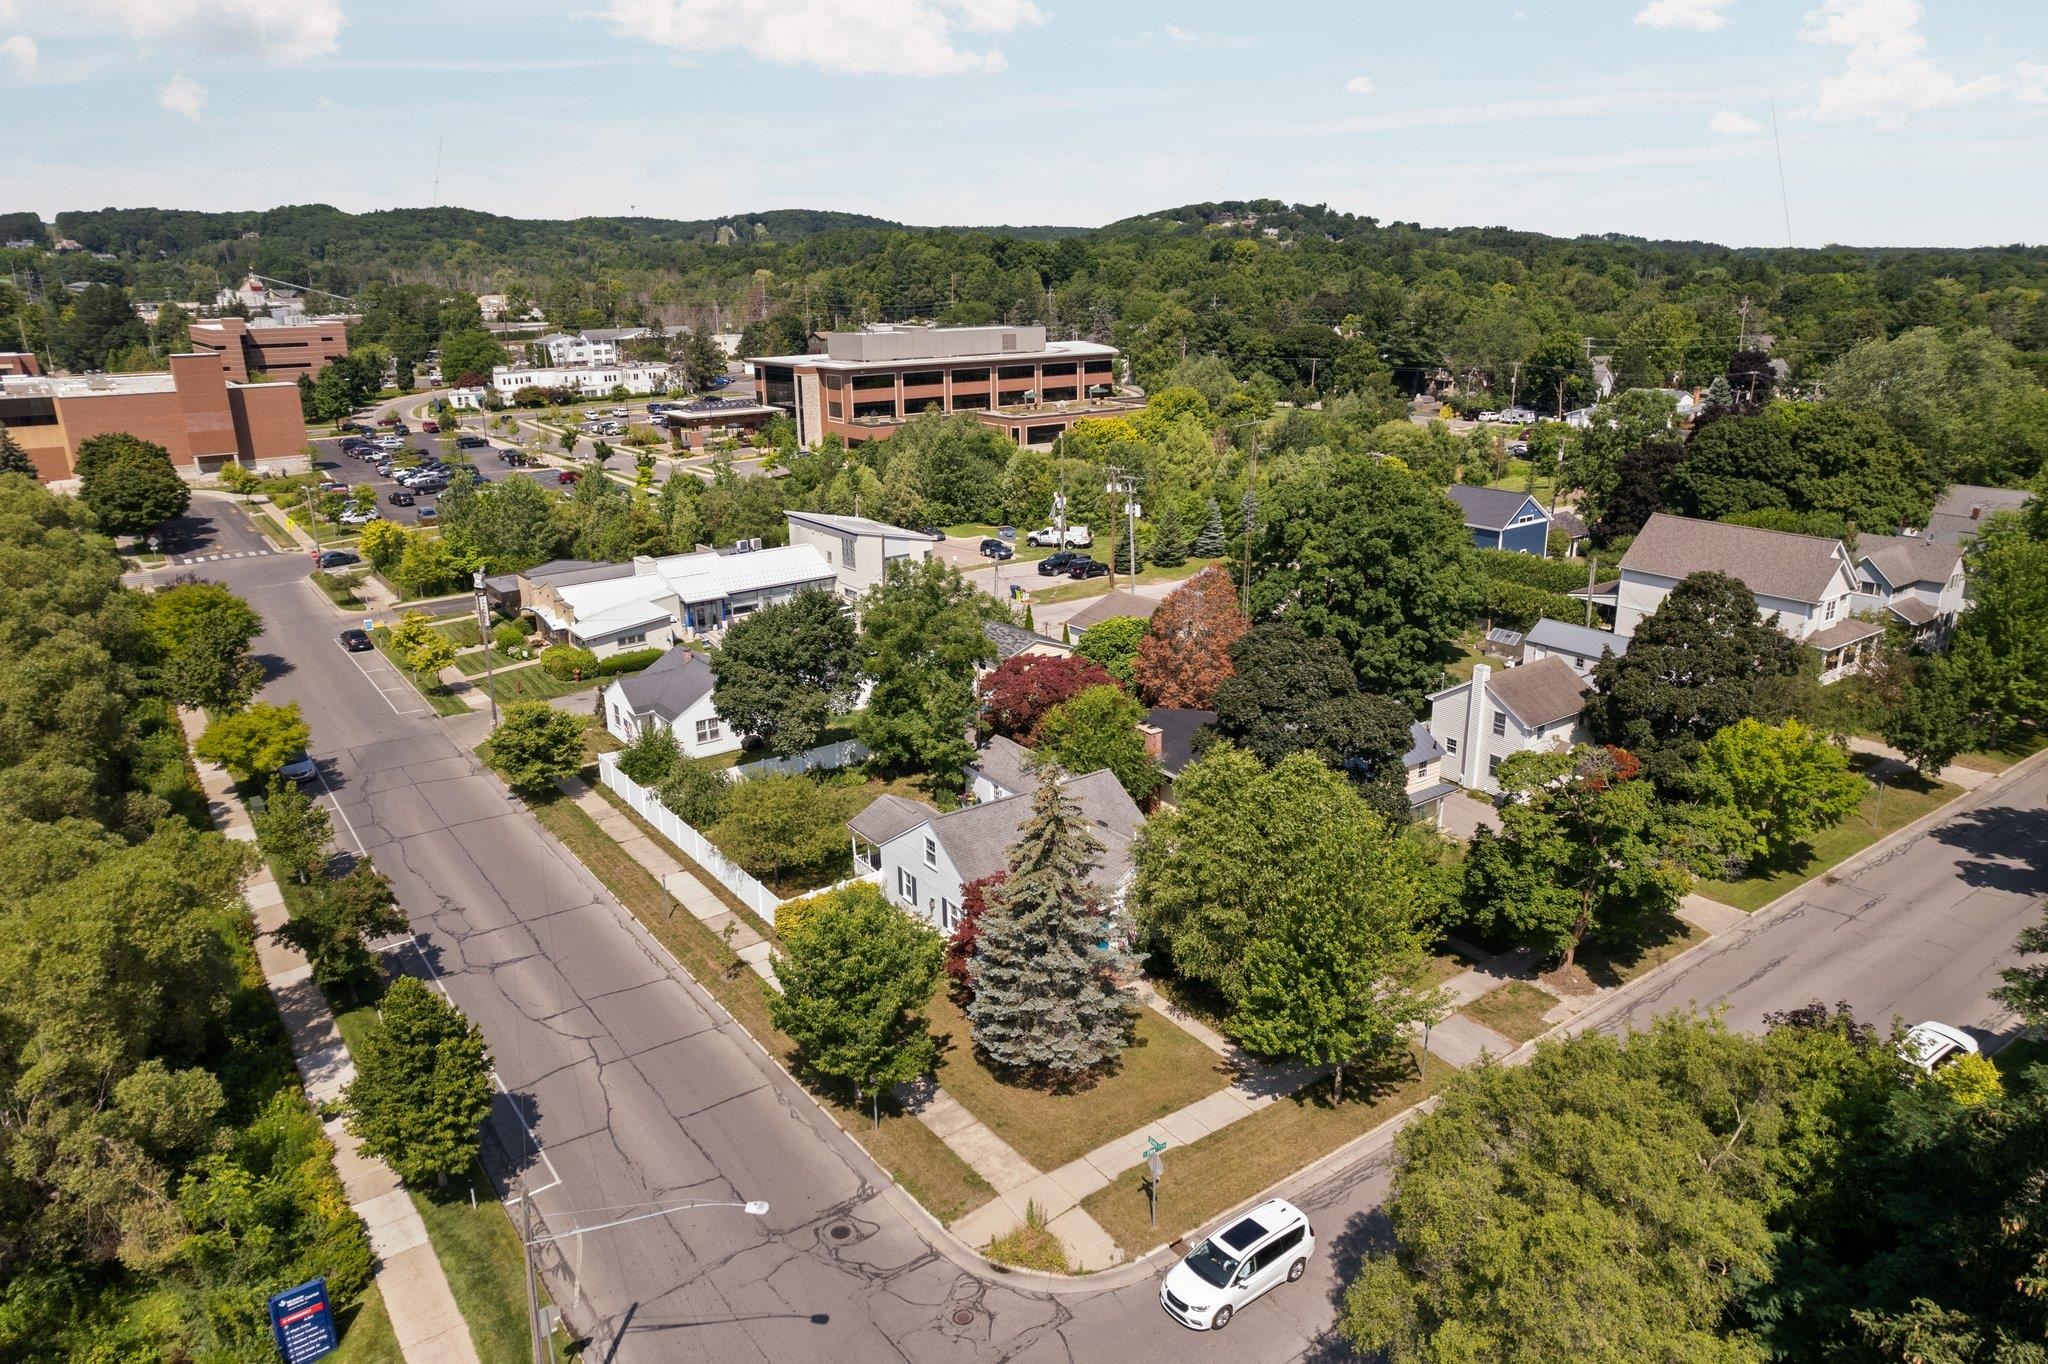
pixel 1477 727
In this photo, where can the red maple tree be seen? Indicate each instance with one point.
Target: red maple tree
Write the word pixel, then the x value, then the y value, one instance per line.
pixel 960 947
pixel 1185 655
pixel 1016 695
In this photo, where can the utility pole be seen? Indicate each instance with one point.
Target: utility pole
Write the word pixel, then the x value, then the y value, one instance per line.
pixel 1122 481
pixel 1592 566
pixel 1251 484
pixel 483 629
pixel 537 1342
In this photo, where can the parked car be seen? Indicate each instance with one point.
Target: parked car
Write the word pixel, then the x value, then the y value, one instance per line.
pixel 621 412
pixel 1085 568
pixel 427 514
pixel 338 558
pixel 401 498
pixel 387 421
pixel 1078 537
pixel 1057 562
pixel 356 641
pixel 470 442
pixel 1518 448
pixel 1006 532
pixel 1930 1045
pixel 567 476
pixel 1225 1272
pixel 299 767
pixel 996 549
pixel 402 429
pixel 718 381
pixel 333 485
pixel 431 427
pixel 360 516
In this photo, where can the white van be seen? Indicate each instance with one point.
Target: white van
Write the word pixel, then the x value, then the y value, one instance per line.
pixel 1252 1254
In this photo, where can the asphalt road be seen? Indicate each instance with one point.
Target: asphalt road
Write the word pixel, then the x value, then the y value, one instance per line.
pixel 626 1086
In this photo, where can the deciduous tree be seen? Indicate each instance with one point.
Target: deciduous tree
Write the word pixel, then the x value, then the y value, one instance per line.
pixel 260 739
pixel 1018 693
pixel 780 822
pixel 1185 655
pixel 921 641
pixel 421 648
pixel 422 1089
pixel 1099 729
pixel 534 745
pixel 293 830
pixel 336 924
pixel 129 484
pixel 1113 646
pixel 786 669
pixel 202 633
pixel 1785 781
pixel 855 974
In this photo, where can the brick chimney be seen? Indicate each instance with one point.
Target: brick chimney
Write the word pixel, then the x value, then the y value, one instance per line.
pixel 1155 741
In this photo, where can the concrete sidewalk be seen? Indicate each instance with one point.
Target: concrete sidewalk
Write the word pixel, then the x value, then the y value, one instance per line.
pixel 424 1317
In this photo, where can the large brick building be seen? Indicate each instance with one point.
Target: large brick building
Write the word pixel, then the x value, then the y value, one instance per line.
pixel 193 411
pixel 274 350
pixel 867 384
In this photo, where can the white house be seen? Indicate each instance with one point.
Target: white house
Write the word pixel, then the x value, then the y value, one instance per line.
pixel 859 550
pixel 466 399
pixel 1577 645
pixel 922 858
pixel 1426 787
pixel 653 603
pixel 1916 580
pixel 1000 768
pixel 1806 582
pixel 1536 706
pixel 672 694
pixel 594 346
pixel 590 380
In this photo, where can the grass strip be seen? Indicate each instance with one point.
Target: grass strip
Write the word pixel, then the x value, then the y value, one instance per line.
pixel 444 701
pixel 1232 1164
pixel 1514 1010
pixel 690 865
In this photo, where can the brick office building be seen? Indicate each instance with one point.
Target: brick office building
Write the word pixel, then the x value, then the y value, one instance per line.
pixel 19 362
pixel 192 410
pixel 274 350
pixel 867 384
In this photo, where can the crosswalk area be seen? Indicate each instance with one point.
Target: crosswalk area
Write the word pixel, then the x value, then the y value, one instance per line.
pixel 228 554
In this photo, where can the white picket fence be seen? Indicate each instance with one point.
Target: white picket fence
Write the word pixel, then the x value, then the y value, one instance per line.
pixel 698 848
pixel 824 758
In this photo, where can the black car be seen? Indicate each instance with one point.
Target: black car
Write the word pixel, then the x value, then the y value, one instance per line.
pixel 1059 561
pixel 470 442
pixel 401 498
pixel 1084 568
pixel 356 641
pixel 996 549
pixel 338 558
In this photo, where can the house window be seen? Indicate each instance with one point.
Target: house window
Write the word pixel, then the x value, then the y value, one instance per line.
pixel 906 887
pixel 1831 610
pixel 1450 745
pixel 949 917
pixel 709 731
pixel 931 852
pixel 1500 722
pixel 1493 766
pixel 639 638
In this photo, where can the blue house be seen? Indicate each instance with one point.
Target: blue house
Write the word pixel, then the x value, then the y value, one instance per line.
pixel 1499 519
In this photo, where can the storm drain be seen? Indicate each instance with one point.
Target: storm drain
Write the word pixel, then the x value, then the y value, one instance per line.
pixel 839 1231
pixel 963 1317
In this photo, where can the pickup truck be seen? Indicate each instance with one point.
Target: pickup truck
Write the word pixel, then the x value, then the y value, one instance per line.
pixel 1078 537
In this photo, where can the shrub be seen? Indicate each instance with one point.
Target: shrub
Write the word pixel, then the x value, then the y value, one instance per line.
pixel 566 661
pixel 650 759
pixel 237 479
pixel 695 791
pixel 779 823
pixel 508 636
pixel 630 662
pixel 1552 575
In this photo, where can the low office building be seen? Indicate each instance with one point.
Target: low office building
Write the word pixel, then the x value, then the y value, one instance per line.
pixel 271 349
pixel 1480 723
pixel 672 695
pixel 1500 519
pixel 595 346
pixel 20 362
pixel 703 420
pixel 922 858
pixel 191 409
pixel 867 384
pixel 592 381
pixel 1579 646
pixel 656 603
pixel 858 549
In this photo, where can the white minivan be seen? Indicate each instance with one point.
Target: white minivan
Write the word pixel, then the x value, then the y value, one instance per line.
pixel 1222 1274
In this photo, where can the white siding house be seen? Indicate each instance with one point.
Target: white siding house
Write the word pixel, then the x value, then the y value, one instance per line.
pixel 1915 580
pixel 859 550
pixel 1481 723
pixel 673 694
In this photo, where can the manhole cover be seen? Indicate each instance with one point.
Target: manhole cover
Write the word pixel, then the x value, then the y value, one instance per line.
pixel 840 1232
pixel 963 1317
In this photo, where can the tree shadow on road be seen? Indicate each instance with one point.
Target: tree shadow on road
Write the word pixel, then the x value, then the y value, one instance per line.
pixel 2009 847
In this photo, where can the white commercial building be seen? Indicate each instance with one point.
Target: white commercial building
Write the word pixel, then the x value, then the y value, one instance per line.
pixel 590 380
pixel 655 603
pixel 596 346
pixel 859 550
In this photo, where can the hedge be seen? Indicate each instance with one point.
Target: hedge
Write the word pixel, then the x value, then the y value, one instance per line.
pixel 1549 575
pixel 564 661
pixel 1519 606
pixel 631 662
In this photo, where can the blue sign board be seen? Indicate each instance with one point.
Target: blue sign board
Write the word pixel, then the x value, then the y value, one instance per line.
pixel 303 1323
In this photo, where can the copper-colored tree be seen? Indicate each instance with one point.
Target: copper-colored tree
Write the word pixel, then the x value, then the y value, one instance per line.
pixel 960 947
pixel 1019 693
pixel 1185 656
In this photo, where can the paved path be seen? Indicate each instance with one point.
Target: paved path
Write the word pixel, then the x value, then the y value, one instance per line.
pixel 424 1317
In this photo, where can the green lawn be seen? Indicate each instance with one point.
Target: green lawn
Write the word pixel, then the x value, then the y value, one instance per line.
pixel 1235 1163
pixel 366 1334
pixel 1468 657
pixel 1164 1070
pixel 1514 1010
pixel 1517 480
pixel 438 696
pixel 339 590
pixel 1096 587
pixel 270 530
pixel 479 1251
pixel 533 684
pixel 2016 1055
pixel 472 665
pixel 911 1152
pixel 1655 942
pixel 2014 750
pixel 1902 800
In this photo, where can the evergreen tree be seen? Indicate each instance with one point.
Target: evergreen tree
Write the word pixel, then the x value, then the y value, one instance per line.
pixel 423 1085
pixel 14 459
pixel 1210 543
pixel 1045 995
pixel 1169 541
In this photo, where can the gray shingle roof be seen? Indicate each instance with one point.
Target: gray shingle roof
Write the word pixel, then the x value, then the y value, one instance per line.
pixel 1011 640
pixel 1770 563
pixel 1007 763
pixel 1578 640
pixel 1177 728
pixel 979 838
pixel 1912 610
pixel 1908 559
pixel 1122 604
pixel 1540 693
pixel 889 817
pixel 1952 520
pixel 1422 746
pixel 1570 522
pixel 1490 508
pixel 1843 632
pixel 670 685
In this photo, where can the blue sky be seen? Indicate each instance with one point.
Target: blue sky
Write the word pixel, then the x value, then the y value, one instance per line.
pixel 1900 123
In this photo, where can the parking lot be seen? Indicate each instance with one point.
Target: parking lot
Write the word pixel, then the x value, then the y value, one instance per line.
pixel 331 462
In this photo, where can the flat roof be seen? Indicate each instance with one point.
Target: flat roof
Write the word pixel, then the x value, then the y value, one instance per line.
pixel 1053 350
pixel 84 385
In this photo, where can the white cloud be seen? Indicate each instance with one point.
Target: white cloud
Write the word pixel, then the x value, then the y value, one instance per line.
pixel 1179 34
pixel 1359 85
pixel 849 37
pixel 19 51
pixel 1734 124
pixel 1888 72
pixel 182 95
pixel 1702 15
pixel 277 32
pixel 2030 83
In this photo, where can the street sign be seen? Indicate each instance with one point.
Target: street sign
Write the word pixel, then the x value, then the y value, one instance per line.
pixel 303 1323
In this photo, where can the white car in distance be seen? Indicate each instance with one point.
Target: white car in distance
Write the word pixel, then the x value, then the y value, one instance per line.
pixel 1078 537
pixel 1930 1045
pixel 1250 1256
